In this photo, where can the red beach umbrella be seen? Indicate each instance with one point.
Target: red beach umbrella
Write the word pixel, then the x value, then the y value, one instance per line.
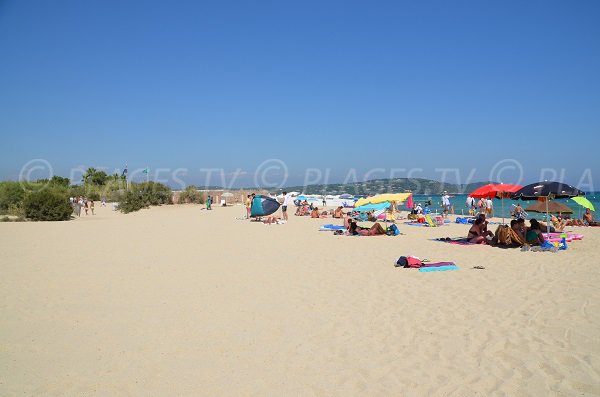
pixel 495 190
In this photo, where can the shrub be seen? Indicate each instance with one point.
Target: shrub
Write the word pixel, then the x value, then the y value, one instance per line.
pixel 95 196
pixel 191 195
pixel 11 193
pixel 143 195
pixel 47 205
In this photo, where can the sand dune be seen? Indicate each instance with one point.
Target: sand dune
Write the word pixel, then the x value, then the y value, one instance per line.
pixel 179 301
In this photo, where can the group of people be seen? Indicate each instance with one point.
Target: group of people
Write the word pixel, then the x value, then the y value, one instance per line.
pixel 532 235
pixel 80 202
pixel 483 206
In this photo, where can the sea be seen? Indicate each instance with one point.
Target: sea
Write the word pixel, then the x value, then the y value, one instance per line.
pixel 503 207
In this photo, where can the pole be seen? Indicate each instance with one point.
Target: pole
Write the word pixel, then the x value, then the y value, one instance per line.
pixel 547 216
pixel 502 200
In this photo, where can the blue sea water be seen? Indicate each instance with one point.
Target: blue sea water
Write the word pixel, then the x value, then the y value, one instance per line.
pixel 460 208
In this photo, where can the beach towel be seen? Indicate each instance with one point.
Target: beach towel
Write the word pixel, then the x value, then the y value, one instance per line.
pixel 330 227
pixel 455 241
pixel 438 269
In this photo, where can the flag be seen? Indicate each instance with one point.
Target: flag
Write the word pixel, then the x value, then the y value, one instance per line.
pixel 124 171
pixel 146 170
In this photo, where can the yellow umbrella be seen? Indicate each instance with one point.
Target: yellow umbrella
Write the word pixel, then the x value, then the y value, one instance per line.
pixel 382 198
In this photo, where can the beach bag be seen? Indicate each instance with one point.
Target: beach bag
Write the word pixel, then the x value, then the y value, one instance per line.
pixel 394 230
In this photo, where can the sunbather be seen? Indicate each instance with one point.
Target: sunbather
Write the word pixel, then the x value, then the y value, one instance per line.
pixel 338 213
pixel 314 213
pixel 517 227
pixel 534 234
pixel 477 233
pixel 559 224
pixel 588 218
pixel 374 230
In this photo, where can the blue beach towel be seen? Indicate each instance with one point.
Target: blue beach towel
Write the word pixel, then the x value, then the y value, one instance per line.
pixel 438 269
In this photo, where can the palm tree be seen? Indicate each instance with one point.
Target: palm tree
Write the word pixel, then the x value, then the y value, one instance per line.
pixel 88 175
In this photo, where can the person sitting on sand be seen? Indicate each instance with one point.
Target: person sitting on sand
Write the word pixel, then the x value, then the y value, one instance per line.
pixel 534 234
pixel 338 213
pixel 515 225
pixel 477 234
pixel 374 230
pixel 559 224
pixel 588 218
pixel 314 213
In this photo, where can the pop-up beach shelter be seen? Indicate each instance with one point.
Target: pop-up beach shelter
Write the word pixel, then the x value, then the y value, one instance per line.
pixel 546 191
pixel 495 190
pixel 263 206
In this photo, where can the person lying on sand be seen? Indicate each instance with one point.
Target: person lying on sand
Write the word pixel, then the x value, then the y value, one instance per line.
pixel 374 230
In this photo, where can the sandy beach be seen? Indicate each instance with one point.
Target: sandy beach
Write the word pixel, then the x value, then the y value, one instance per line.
pixel 179 301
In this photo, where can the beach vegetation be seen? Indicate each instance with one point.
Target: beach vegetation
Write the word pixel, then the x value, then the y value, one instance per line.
pixel 11 193
pixel 191 195
pixel 144 195
pixel 47 205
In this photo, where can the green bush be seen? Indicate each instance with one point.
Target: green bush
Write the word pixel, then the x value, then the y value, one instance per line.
pixel 11 193
pixel 191 195
pixel 47 205
pixel 143 195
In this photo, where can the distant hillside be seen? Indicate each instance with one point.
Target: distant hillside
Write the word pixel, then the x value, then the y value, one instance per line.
pixel 396 185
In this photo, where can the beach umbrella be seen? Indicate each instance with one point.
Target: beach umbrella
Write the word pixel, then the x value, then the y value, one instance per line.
pixel 495 190
pixel 263 206
pixel 225 195
pixel 585 203
pixel 345 196
pixel 553 190
pixel 381 198
pixel 552 207
pixel 546 191
pixel 373 207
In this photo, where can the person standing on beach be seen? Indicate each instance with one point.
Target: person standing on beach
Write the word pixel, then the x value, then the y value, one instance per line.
pixel 284 205
pixel 446 203
pixel 208 202
pixel 490 208
pixel 248 206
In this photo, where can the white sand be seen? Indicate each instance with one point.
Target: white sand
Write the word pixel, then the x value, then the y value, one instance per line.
pixel 178 301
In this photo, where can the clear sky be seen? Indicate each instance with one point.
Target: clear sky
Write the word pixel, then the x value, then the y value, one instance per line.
pixel 329 85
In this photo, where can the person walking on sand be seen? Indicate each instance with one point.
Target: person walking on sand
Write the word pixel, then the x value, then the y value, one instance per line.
pixel 91 203
pixel 286 201
pixel 208 202
pixel 248 206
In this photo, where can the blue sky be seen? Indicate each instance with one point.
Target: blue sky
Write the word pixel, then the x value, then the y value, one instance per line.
pixel 336 86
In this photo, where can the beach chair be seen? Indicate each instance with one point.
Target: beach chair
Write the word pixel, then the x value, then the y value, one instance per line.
pixel 430 222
